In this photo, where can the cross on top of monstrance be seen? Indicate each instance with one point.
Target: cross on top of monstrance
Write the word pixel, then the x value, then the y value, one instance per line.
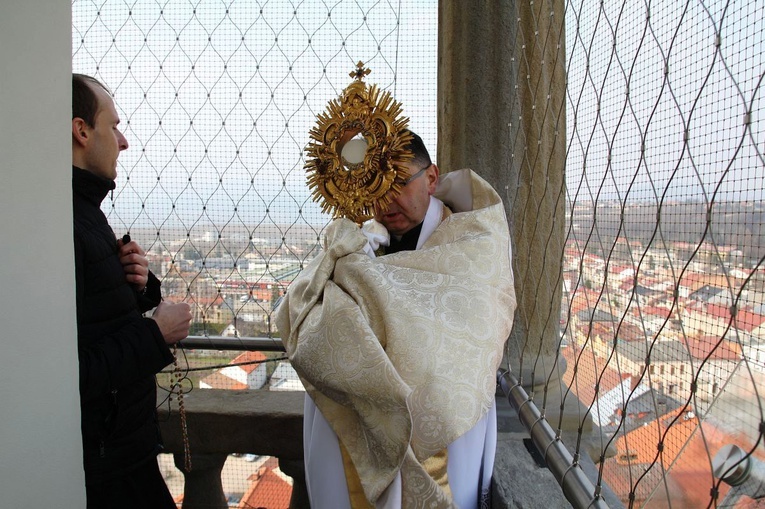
pixel 360 71
pixel 356 155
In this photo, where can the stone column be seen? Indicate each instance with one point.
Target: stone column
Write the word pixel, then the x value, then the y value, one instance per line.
pixel 501 112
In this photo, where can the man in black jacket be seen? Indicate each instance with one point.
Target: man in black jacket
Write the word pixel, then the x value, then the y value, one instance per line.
pixel 120 351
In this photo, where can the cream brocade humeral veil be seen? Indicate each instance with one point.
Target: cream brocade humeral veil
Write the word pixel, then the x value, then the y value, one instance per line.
pixel 400 352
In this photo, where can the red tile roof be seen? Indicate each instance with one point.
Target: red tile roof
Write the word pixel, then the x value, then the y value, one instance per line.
pixel 641 443
pixel 692 471
pixel 583 299
pixel 268 490
pixel 713 346
pixel 627 270
pixel 205 302
pixel 696 280
pixel 218 380
pixel 688 449
pixel 660 311
pixel 254 357
pixel 744 320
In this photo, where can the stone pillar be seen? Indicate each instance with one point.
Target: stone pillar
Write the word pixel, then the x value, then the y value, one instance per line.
pixel 501 112
pixel 202 487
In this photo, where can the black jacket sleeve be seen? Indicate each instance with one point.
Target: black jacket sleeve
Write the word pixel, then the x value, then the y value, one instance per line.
pixel 116 360
pixel 119 358
pixel 151 296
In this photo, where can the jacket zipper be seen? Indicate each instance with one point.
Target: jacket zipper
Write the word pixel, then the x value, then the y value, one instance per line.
pixel 101 443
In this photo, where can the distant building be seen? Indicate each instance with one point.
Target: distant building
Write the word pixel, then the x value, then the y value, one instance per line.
pixel 674 364
pixel 599 387
pixel 219 381
pixel 246 371
pixel 285 378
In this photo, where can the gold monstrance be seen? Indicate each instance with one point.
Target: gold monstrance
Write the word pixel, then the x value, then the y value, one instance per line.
pixel 356 153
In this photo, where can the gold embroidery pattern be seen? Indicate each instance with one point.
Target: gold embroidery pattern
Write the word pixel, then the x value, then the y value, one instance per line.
pixel 400 353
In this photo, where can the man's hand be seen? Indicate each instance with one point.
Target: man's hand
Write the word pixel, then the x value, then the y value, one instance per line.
pixel 134 262
pixel 173 320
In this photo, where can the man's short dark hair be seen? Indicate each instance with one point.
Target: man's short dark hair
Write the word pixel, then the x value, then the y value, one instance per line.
pixel 84 99
pixel 417 148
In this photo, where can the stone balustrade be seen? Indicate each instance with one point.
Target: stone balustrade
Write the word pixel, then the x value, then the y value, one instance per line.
pixel 270 423
pixel 221 422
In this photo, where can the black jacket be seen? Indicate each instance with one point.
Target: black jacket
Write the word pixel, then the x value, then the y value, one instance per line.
pixel 120 351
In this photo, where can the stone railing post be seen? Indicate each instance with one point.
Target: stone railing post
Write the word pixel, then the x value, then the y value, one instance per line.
pixel 221 422
pixel 296 470
pixel 202 487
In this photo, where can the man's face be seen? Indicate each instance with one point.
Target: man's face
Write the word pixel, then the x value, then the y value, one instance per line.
pixel 408 209
pixel 106 141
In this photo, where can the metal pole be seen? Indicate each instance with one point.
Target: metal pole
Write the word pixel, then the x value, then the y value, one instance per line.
pixel 229 343
pixel 743 472
pixel 577 488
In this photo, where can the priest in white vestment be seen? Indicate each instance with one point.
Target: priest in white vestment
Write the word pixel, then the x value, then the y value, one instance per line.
pixel 396 330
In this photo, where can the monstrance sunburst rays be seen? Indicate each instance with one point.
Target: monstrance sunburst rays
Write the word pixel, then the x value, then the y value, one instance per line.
pixel 350 187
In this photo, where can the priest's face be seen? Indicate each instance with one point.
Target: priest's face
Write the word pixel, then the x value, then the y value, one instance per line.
pixel 408 209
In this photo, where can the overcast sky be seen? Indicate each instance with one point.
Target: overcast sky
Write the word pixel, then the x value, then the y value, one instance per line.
pixel 217 98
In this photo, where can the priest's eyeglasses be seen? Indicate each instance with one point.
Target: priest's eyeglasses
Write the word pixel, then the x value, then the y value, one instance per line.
pixel 417 174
